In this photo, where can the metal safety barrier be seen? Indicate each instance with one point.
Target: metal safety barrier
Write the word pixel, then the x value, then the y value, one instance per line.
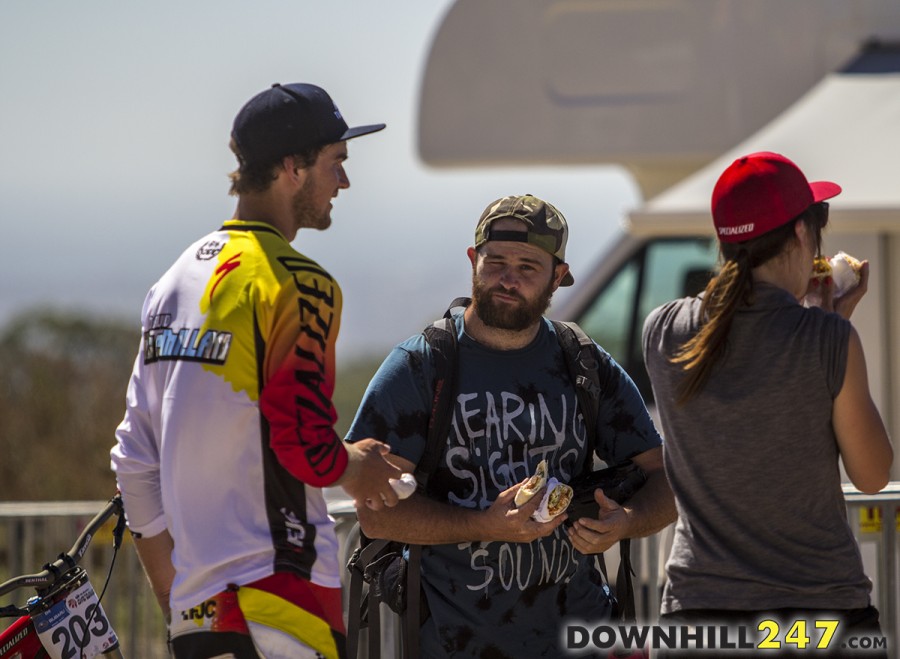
pixel 875 519
pixel 32 534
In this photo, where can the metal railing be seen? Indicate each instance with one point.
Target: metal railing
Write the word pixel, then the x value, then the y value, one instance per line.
pixel 875 519
pixel 32 534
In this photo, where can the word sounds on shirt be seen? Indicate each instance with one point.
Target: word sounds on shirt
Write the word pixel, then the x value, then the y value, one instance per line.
pixel 518 566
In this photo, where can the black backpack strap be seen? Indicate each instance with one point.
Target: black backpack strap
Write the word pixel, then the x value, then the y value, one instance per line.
pixel 442 338
pixel 625 583
pixel 354 614
pixel 374 639
pixel 361 558
pixel 625 607
pixel 583 364
pixel 411 621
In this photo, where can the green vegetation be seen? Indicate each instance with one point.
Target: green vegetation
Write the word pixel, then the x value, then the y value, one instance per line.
pixel 62 395
pixel 352 380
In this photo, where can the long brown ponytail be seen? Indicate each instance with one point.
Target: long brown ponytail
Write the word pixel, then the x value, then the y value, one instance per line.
pixel 731 288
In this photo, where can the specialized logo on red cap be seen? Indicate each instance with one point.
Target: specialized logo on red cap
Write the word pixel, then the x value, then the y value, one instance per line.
pixel 761 192
pixel 737 231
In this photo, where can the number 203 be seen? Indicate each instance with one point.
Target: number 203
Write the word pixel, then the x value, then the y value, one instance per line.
pixel 78 631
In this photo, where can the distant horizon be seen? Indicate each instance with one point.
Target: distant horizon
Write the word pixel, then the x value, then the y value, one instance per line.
pixel 365 328
pixel 116 155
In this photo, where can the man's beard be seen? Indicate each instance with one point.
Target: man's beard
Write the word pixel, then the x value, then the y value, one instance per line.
pixel 305 215
pixel 505 316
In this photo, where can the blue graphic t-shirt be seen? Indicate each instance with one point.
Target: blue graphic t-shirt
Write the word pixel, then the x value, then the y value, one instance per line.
pixel 513 409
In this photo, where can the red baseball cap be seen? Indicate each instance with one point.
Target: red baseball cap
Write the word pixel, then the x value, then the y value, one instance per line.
pixel 761 192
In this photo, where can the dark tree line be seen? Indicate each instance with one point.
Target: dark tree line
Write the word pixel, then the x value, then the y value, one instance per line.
pixel 62 394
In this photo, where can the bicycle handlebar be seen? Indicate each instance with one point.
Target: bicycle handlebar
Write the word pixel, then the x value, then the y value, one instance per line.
pixel 53 571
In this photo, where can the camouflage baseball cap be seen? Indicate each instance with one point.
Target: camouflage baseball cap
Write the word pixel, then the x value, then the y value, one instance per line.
pixel 546 226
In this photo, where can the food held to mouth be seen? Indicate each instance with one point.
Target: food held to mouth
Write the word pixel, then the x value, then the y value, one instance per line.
pixel 843 269
pixel 821 267
pixel 845 272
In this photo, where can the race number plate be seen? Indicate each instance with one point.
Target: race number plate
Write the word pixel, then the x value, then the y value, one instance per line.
pixel 76 626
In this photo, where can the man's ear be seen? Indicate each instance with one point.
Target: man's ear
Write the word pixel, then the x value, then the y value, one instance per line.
pixel 472 254
pixel 295 173
pixel 561 270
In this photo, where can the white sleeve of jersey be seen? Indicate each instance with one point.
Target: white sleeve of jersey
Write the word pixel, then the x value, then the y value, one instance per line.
pixel 135 459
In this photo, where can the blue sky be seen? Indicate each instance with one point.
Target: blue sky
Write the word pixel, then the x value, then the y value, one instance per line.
pixel 114 124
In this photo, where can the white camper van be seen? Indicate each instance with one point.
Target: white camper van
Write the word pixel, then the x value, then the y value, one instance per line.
pixel 674 91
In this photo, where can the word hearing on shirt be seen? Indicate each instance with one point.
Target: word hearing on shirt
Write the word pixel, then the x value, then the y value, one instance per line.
pixel 495 442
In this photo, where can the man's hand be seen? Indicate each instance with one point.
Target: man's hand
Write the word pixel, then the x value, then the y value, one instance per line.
pixel 367 475
pixel 593 536
pixel 504 522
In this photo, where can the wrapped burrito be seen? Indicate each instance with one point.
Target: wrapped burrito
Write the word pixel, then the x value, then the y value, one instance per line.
pixel 555 501
pixel 843 269
pixel 533 485
pixel 845 273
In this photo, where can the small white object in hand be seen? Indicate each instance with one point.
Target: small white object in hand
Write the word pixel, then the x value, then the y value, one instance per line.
pixel 845 273
pixel 403 486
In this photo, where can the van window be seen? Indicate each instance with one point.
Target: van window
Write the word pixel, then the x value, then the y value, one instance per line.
pixel 604 320
pixel 662 270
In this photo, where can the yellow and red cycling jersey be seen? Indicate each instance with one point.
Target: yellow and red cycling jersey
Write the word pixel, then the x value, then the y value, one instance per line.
pixel 229 433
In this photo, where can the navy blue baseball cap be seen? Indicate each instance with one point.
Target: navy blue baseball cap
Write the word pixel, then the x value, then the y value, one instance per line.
pixel 287 119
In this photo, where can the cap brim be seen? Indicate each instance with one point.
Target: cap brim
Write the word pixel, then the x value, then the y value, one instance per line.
pixel 350 133
pixel 823 190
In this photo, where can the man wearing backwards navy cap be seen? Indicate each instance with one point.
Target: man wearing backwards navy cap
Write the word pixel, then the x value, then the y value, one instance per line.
pixel 228 435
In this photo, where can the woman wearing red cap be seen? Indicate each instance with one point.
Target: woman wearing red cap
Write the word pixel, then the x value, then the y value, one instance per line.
pixel 761 399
